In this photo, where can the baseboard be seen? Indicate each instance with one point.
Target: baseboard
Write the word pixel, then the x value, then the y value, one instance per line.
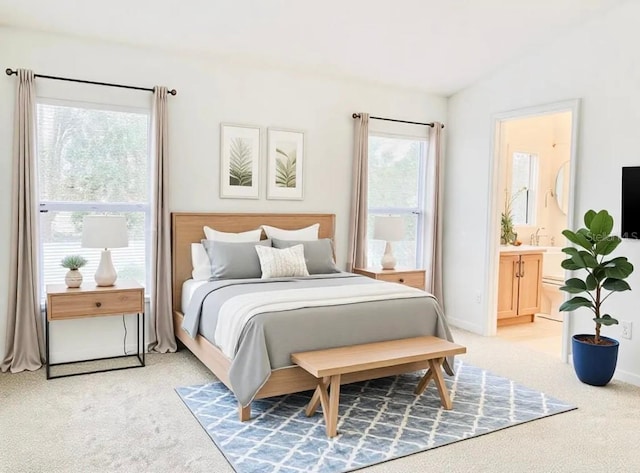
pixel 464 325
pixel 627 377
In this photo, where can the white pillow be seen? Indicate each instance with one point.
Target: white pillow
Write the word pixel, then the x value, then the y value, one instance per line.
pixel 308 233
pixel 199 258
pixel 200 262
pixel 276 263
pixel 215 235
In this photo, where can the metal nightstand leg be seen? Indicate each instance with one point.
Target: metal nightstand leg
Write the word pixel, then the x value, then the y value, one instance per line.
pixel 46 343
pixel 140 354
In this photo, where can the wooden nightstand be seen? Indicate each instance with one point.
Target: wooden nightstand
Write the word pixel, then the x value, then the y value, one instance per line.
pixel 63 303
pixel 409 277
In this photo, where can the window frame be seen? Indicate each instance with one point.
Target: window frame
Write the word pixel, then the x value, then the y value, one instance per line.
pixel 420 209
pixel 45 206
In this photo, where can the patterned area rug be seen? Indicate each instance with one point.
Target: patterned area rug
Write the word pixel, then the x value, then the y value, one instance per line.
pixel 379 420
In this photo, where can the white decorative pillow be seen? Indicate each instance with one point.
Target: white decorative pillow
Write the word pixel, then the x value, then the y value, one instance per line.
pixel 277 263
pixel 215 235
pixel 200 262
pixel 307 233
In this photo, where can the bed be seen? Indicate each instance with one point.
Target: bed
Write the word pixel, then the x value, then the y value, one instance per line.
pixel 281 377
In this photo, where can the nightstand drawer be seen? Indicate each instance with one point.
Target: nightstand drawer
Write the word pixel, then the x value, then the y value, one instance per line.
pixel 69 306
pixel 413 279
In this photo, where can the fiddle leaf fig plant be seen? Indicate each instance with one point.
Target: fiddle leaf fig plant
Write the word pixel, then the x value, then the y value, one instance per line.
pixel 604 275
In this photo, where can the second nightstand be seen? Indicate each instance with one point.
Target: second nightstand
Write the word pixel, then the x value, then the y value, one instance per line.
pixel 409 277
pixel 63 303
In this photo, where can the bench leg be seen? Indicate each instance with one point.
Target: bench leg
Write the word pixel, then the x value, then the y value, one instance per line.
pixel 244 412
pixel 324 399
pixel 315 399
pixel 334 398
pixel 424 382
pixel 436 367
pixel 313 403
pixel 329 401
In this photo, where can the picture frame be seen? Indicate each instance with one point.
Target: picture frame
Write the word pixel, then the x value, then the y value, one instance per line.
pixel 239 161
pixel 285 156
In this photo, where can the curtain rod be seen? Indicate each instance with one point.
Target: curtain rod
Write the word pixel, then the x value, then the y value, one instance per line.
pixel 357 115
pixel 132 87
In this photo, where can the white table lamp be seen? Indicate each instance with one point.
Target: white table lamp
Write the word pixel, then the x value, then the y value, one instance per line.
pixel 388 228
pixel 105 231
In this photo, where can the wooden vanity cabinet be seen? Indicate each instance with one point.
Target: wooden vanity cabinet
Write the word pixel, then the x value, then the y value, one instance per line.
pixel 519 287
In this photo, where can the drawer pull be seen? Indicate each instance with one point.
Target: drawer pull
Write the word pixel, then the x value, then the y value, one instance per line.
pixel 98 304
pixel 401 280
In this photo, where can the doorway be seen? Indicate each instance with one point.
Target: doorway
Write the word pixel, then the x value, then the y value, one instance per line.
pixel 532 182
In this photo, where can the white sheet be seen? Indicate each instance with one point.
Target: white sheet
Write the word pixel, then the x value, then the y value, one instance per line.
pixel 188 288
pixel 237 311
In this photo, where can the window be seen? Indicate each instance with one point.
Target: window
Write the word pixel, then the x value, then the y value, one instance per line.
pixel 92 159
pixel 397 187
pixel 523 178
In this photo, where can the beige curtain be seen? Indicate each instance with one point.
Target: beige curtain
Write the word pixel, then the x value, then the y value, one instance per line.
pixel 24 345
pixel 357 256
pixel 433 221
pixel 162 338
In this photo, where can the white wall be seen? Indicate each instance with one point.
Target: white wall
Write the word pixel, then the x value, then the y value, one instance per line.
pixel 209 92
pixel 598 63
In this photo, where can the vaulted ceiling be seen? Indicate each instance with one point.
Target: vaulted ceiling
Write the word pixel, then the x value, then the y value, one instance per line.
pixel 440 46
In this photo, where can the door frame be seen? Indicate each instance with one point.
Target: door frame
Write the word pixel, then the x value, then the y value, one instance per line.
pixel 493 218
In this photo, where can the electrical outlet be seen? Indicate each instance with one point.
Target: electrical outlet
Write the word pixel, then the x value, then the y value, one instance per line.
pixel 626 329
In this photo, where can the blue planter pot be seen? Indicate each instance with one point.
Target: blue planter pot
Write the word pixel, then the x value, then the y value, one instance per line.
pixel 594 364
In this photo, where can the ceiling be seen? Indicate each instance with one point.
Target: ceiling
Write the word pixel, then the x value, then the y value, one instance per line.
pixel 440 46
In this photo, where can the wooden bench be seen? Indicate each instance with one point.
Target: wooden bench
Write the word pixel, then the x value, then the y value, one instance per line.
pixel 328 365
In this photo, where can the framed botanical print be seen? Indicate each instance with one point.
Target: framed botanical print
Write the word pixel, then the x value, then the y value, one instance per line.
pixel 239 161
pixel 285 157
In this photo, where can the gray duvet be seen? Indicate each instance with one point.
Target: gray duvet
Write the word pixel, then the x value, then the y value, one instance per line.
pixel 268 339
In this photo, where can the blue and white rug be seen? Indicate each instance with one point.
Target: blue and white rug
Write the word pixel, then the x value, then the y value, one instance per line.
pixel 379 420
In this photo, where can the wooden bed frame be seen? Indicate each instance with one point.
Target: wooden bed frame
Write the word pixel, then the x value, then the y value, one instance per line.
pixel 187 228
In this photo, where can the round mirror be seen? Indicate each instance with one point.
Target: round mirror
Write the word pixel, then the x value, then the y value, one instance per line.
pixel 562 184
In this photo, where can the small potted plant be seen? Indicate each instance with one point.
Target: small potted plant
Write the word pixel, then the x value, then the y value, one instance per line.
pixel 508 235
pixel 594 356
pixel 73 263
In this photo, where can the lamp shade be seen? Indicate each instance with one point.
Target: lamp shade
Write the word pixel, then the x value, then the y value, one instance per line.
pixel 388 228
pixel 104 231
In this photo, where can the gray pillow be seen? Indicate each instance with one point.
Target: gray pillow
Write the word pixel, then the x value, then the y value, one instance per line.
pixel 318 254
pixel 234 260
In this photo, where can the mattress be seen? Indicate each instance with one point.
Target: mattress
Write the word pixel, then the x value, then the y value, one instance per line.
pixel 188 288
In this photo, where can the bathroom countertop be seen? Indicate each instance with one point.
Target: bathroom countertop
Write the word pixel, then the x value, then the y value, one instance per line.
pixel 521 250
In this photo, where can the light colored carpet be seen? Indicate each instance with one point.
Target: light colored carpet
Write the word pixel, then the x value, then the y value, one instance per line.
pixel 133 420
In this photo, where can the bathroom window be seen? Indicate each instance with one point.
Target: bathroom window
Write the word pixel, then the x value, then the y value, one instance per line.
pixel 524 171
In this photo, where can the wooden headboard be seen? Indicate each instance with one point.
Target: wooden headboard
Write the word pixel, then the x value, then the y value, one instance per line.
pixel 187 228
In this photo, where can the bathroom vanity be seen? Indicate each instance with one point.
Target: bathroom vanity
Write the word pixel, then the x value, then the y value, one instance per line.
pixel 519 284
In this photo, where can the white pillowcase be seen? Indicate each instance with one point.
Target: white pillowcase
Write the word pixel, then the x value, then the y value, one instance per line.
pixel 215 235
pixel 199 258
pixel 200 262
pixel 307 233
pixel 276 263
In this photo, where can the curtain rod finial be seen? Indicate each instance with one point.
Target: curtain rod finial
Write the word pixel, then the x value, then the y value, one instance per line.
pixel 10 72
pixel 172 91
pixel 355 115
